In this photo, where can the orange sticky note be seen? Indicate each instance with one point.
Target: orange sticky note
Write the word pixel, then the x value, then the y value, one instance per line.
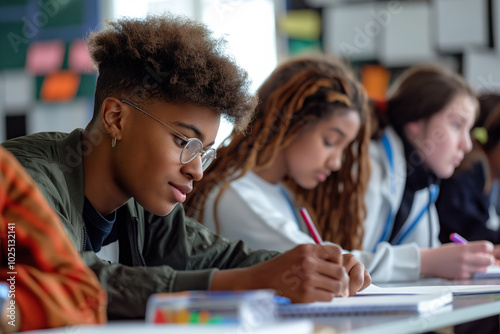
pixel 60 86
pixel 375 79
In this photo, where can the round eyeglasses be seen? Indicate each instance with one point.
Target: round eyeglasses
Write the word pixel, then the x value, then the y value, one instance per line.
pixel 191 147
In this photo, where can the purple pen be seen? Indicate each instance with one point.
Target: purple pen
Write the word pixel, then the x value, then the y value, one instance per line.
pixel 455 237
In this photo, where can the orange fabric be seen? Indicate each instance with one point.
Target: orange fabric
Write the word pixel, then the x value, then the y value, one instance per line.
pixel 53 287
pixel 60 86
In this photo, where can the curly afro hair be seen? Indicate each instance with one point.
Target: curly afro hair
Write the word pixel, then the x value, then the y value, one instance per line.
pixel 172 59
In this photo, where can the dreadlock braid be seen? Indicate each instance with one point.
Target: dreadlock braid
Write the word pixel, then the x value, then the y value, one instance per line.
pixel 299 92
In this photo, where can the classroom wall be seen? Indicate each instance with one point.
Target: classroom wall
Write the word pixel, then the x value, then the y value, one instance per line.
pixel 47 82
pixel 46 77
pixel 35 58
pixel 382 38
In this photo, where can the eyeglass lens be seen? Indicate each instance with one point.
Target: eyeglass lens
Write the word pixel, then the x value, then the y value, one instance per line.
pixel 192 149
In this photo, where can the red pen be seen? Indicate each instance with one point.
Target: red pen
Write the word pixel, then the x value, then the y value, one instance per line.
pixel 310 225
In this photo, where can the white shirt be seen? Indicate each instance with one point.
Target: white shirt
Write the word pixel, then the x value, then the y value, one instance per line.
pixel 258 212
pixel 384 195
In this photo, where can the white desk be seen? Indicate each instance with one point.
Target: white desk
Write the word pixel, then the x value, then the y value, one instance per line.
pixel 463 310
pixel 303 326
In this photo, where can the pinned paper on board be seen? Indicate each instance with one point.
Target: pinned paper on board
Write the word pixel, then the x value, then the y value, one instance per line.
pixel 18 90
pixel 375 79
pixel 45 57
pixel 79 58
pixel 304 24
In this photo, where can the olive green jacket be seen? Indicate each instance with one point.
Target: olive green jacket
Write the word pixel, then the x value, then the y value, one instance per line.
pixel 156 254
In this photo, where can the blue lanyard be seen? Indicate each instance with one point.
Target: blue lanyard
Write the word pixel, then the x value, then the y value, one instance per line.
pixel 389 224
pixel 388 151
pixel 433 194
pixel 388 228
pixel 283 191
pixel 390 219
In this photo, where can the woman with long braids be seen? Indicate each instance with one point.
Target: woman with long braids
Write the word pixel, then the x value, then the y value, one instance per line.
pixel 311 120
pixel 307 146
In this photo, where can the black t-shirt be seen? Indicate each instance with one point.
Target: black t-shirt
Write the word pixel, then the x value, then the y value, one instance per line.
pixel 99 230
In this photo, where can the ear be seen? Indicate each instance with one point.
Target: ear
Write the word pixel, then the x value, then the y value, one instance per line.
pixel 112 117
pixel 414 129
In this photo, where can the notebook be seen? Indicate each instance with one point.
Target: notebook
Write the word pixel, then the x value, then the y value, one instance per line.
pixel 456 290
pixel 493 271
pixel 370 304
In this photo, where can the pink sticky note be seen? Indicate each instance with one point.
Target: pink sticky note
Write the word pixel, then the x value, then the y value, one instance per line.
pixel 79 58
pixel 45 57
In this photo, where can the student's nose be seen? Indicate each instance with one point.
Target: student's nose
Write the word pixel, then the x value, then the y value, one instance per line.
pixel 193 169
pixel 335 160
pixel 466 142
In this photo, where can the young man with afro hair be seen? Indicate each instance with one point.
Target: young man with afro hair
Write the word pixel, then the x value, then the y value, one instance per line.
pixel 163 84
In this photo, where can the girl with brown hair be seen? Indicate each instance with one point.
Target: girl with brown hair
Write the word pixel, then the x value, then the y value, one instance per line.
pixel 421 137
pixel 467 200
pixel 311 119
pixel 307 146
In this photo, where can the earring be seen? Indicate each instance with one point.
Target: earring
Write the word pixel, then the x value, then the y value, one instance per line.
pixel 113 142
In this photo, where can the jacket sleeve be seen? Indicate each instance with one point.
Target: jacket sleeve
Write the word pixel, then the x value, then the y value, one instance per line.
pixel 52 285
pixel 188 245
pixel 180 255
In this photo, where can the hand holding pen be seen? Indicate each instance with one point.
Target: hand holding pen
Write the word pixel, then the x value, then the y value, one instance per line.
pixel 455 237
pixel 359 278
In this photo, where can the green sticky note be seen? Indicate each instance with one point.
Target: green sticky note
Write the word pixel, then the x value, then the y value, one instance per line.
pixel 480 134
pixel 301 24
pixel 298 47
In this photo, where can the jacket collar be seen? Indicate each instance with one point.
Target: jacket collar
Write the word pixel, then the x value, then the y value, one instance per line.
pixel 71 163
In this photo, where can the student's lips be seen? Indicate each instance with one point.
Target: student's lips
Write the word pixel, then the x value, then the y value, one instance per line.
pixel 180 192
pixel 457 161
pixel 322 176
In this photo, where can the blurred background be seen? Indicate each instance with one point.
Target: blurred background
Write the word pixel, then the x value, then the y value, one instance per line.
pixel 47 80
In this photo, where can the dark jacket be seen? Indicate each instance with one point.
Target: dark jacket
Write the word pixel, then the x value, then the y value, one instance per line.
pixel 463 205
pixel 157 254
